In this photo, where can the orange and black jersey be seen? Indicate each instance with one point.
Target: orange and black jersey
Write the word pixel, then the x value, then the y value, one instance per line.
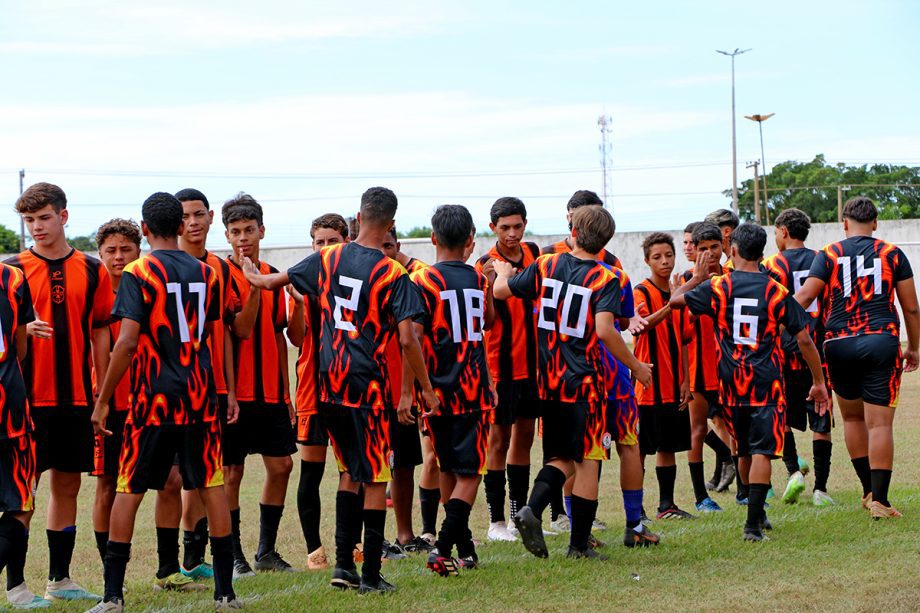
pixel 229 307
pixel 660 345
pixel 569 293
pixel 172 296
pixel 414 265
pixel 563 247
pixel 702 350
pixel 74 295
pixel 861 273
pixel 307 378
pixel 749 310
pixel 15 310
pixel 454 295
pixel 790 269
pixel 362 295
pixel 511 342
pixel 258 365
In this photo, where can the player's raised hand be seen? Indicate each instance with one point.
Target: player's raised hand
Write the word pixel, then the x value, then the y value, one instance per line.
pixel 293 293
pixel 637 324
pixel 404 409
pixel 502 268
pixel 674 282
pixel 250 270
pixel 39 329
pixel 701 271
pixel 488 269
pixel 911 360
pixel 98 419
pixel 432 404
pixel 818 394
pixel 643 373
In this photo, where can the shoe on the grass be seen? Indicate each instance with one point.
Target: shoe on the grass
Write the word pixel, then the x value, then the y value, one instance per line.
pixel 392 551
pixel 642 538
pixel 741 501
pixel 765 523
pixel 728 476
pixel 21 597
pixel 345 578
pixel 585 554
pixel 879 511
pixel 531 531
pixel 803 466
pixel 821 499
pixel 443 566
pixel 381 586
pixel 429 538
pixel 241 568
pixel 753 535
pixel 317 560
pixel 867 501
pixel 643 516
pixel 673 512
pixel 470 562
pixel 68 589
pixel 561 524
pixel 595 543
pixel 111 606
pixel 708 505
pixel 177 582
pixel 713 483
pixel 226 603
pixel 498 531
pixel 272 562
pixel 201 571
pixel 794 488
pixel 598 525
pixel 416 545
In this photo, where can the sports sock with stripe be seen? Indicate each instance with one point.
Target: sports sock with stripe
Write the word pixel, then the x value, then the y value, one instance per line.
pixel 494 483
pixel 518 483
pixel 556 505
pixel 632 505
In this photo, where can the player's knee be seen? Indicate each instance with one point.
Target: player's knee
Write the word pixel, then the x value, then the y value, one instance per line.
pixel 280 468
pixel 66 485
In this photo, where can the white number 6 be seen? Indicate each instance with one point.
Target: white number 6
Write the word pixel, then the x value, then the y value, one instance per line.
pixel 738 318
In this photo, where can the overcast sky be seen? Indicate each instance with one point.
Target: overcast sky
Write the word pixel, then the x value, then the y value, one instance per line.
pixel 305 104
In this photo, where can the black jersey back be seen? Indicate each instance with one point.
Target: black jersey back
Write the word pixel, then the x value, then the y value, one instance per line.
pixel 15 311
pixel 790 268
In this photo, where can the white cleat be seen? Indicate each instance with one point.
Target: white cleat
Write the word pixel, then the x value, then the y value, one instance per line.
pixel 21 597
pixel 821 499
pixel 499 531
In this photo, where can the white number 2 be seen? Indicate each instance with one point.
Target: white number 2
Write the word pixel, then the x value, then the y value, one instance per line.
pixel 739 319
pixel 551 301
pixel 473 300
pixel 193 288
pixel 861 271
pixel 350 303
pixel 798 279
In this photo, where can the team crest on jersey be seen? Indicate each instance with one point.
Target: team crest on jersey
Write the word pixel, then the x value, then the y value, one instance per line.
pixel 607 440
pixel 57 294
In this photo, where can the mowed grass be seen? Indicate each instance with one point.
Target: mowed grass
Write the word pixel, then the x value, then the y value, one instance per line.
pixel 829 559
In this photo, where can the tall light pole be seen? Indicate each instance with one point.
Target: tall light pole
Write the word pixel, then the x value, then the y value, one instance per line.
pixel 760 119
pixel 605 123
pixel 732 55
pixel 22 224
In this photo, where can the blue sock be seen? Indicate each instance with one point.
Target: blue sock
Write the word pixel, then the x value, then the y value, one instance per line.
pixel 568 506
pixel 632 504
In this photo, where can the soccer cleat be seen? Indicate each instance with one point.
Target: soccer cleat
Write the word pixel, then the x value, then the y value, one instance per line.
pixel 498 531
pixel 202 571
pixel 381 586
pixel 794 488
pixel 429 538
pixel 585 554
pixel 561 524
pixel 177 582
pixel 392 551
pixel 765 523
pixel 879 511
pixel 345 579
pixel 416 545
pixel 549 532
pixel 273 562
pixel 643 516
pixel 111 606
pixel 708 505
pixel 317 560
pixel 68 589
pixel 226 603
pixel 531 532
pixel 470 562
pixel 803 466
pixel 598 525
pixel 444 566
pixel 674 512
pixel 595 543
pixel 21 597
pixel 821 499
pixel 753 535
pixel 741 501
pixel 241 568
pixel 728 476
pixel 713 483
pixel 645 538
pixel 867 501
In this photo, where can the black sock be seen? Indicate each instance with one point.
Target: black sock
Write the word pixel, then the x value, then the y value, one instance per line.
pixel 102 544
pixel 60 552
pixel 16 562
pixel 269 520
pixel 201 543
pixel 666 476
pixel 357 519
pixel 822 458
pixel 12 539
pixel 345 504
pixel 548 480
pixel 583 512
pixel 465 546
pixel 741 487
pixel 698 479
pixel 556 504
pixel 881 479
pixel 518 484
pixel 374 525
pixel 235 534
pixel 494 483
pixel 756 497
pixel 861 465
pixel 790 453
pixel 309 503
pixel 194 543
pixel 167 551
pixel 222 555
pixel 713 441
pixel 116 562
pixel 451 528
pixel 429 500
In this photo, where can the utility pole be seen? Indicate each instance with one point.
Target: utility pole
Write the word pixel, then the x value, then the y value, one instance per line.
pixel 22 224
pixel 840 190
pixel 732 55
pixel 605 123
pixel 754 165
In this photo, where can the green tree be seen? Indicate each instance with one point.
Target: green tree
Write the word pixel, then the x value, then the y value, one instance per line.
pixel 83 243
pixel 416 232
pixel 812 187
pixel 9 240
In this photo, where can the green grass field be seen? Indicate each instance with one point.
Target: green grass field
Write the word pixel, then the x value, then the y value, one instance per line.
pixel 831 559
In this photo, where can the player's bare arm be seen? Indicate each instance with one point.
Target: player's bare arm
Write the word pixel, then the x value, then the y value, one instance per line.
pixel 233 407
pixel 610 336
pixel 101 340
pixel 907 298
pixel 490 309
pixel 503 272
pixel 701 273
pixel 810 290
pixel 412 353
pixel 245 320
pixel 407 393
pixel 654 319
pixel 285 377
pixel 269 281
pixel 118 364
pixel 818 391
pixel 297 325
pixel 685 395
pixel 22 342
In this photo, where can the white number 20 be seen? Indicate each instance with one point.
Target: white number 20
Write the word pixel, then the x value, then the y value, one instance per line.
pixel 193 288
pixel 739 319
pixel 473 300
pixel 550 300
pixel 350 303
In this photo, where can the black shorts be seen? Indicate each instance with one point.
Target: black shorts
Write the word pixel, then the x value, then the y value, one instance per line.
pixel 564 429
pixel 516 399
pixel 461 441
pixel 108 448
pixel 799 409
pixel 712 399
pixel 663 428
pixel 64 439
pixel 148 454
pixel 266 429
pixel 17 474
pixel 866 366
pixel 360 442
pixel 757 430
pixel 406 443
pixel 311 431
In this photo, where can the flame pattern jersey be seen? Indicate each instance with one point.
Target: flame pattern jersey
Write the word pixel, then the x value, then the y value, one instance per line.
pixel 362 296
pixel 511 342
pixel 172 296
pixel 394 349
pixel 74 295
pixel 15 311
pixel 748 309
pixel 861 273
pixel 454 295
pixel 702 350
pixel 606 257
pixel 790 268
pixel 661 346
pixel 230 306
pixel 569 292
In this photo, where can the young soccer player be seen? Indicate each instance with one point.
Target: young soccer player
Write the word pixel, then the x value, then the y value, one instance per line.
pixel 689 246
pixel 862 275
pixel 364 297
pixel 17 448
pixel 265 425
pixel 790 268
pixel 511 348
pixel 578 303
pixel 303 332
pixel 72 295
pixel 751 310
pixel 582 197
pixel 727 220
pixel 167 302
pixel 458 307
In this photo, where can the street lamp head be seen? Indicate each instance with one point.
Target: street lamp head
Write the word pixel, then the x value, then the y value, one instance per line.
pixel 759 118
